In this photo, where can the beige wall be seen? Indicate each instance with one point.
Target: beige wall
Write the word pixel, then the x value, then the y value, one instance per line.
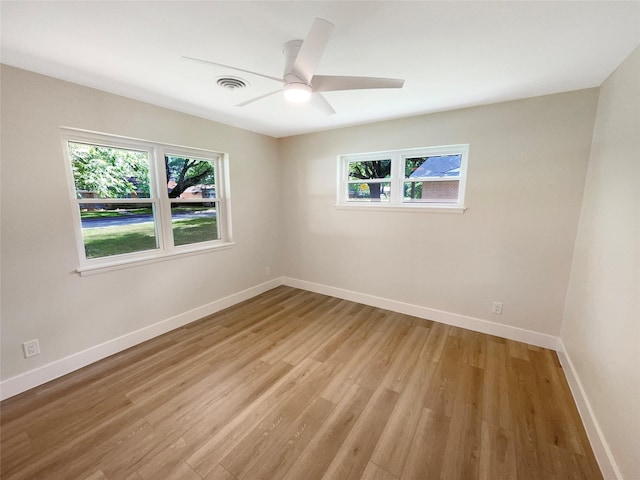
pixel 601 328
pixel 42 297
pixel 527 165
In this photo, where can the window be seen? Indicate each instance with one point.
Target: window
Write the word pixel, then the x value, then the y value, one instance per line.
pixel 369 180
pixel 190 181
pixel 140 201
pixel 432 179
pixel 428 178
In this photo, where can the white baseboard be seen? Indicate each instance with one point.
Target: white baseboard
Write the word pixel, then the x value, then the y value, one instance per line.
pixel 601 450
pixel 38 376
pixel 25 381
pixel 454 319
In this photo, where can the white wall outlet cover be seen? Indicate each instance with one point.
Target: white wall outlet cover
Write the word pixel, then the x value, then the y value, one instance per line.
pixel 31 348
pixel 496 308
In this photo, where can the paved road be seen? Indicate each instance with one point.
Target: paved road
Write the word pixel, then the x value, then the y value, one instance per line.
pixel 135 218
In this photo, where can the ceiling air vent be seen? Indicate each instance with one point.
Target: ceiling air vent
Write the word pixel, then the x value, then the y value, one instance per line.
pixel 231 83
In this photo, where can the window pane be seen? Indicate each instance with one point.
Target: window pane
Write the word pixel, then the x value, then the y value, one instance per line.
pixel 190 178
pixel 441 191
pixel 112 229
pixel 194 222
pixel 436 166
pixel 370 192
pixel 107 172
pixel 369 169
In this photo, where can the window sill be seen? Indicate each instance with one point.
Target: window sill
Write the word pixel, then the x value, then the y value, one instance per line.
pixel 110 265
pixel 404 208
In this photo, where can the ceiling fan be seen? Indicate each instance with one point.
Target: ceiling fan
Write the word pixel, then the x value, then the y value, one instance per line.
pixel 301 60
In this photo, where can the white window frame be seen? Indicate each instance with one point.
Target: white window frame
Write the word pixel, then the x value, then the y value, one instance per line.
pixel 396 200
pixel 159 199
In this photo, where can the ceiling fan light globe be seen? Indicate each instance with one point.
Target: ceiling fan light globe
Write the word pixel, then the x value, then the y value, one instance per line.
pixel 297 92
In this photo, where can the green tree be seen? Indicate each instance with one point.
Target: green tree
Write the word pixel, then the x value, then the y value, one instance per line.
pixel 412 190
pixel 368 170
pixel 110 172
pixel 188 172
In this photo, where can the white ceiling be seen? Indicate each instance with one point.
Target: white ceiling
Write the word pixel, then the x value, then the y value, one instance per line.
pixel 451 54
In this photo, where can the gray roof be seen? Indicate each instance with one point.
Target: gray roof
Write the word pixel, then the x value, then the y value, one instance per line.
pixel 439 166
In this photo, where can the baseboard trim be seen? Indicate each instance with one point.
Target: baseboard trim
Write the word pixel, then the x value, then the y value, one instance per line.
pixel 454 319
pixel 38 376
pixel 601 450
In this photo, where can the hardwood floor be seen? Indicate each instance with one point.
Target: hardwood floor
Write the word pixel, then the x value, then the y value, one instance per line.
pixel 299 386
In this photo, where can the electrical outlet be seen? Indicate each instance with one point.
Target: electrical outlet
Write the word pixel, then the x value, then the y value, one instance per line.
pixel 497 308
pixel 267 271
pixel 31 348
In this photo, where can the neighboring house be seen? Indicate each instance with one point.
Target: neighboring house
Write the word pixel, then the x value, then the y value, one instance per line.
pixel 101 206
pixel 199 191
pixel 434 170
pixel 196 191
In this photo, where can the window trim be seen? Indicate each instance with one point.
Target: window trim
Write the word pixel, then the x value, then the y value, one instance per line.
pixel 161 203
pixel 397 179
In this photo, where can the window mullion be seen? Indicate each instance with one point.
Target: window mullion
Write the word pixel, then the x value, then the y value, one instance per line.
pixel 397 167
pixel 163 219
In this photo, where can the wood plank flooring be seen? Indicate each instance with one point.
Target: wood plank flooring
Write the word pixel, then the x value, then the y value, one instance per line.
pixel 299 386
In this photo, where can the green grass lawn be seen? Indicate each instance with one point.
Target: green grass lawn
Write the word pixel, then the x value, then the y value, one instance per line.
pixel 194 230
pixel 137 237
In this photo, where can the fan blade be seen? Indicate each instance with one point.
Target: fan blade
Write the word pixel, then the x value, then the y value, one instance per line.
pixel 328 83
pixel 258 98
pixel 312 49
pixel 234 68
pixel 321 103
